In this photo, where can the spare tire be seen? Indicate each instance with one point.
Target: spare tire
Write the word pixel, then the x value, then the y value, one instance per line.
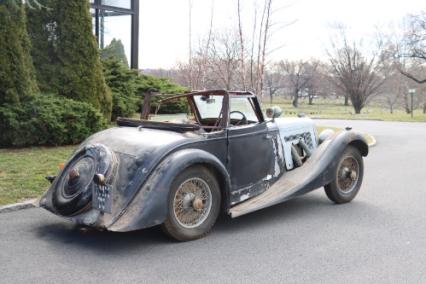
pixel 73 190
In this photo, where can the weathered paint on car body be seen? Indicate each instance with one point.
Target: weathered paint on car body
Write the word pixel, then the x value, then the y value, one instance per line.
pixel 250 163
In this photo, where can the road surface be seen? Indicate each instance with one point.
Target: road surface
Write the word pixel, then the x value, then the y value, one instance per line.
pixel 378 238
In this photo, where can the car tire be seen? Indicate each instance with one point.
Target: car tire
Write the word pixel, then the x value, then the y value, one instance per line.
pixel 194 193
pixel 347 177
pixel 69 206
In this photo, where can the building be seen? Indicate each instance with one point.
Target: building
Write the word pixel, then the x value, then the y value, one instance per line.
pixel 117 19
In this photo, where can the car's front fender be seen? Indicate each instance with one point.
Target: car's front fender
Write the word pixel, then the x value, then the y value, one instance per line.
pixel 150 205
pixel 316 172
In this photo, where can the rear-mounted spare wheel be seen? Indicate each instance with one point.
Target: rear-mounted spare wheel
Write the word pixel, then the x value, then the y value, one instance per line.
pixel 73 192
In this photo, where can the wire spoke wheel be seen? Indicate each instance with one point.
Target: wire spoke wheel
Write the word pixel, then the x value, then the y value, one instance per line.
pixel 348 174
pixel 192 202
pixel 348 177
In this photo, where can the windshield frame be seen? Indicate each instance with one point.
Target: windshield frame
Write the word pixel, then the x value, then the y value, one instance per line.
pixel 223 117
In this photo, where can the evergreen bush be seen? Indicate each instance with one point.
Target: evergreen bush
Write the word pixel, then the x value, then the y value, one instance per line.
pixel 163 86
pixel 128 88
pixel 66 53
pixel 115 50
pixel 122 82
pixel 48 120
pixel 17 77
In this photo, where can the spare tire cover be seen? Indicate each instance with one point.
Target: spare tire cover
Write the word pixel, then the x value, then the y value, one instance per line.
pixel 73 192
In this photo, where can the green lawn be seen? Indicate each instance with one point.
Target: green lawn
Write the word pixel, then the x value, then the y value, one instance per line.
pixel 23 171
pixel 335 109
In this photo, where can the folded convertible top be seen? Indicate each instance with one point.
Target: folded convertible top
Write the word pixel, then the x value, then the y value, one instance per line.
pixel 178 127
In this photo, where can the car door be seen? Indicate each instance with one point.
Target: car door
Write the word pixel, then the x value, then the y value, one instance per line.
pixel 250 159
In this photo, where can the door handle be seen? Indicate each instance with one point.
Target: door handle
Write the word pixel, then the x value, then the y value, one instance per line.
pixel 267 136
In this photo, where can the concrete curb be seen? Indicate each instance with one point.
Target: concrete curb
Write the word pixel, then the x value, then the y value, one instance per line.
pixel 18 206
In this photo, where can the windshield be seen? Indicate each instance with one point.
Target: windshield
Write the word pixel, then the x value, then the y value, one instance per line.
pixel 242 105
pixel 209 106
pixel 179 110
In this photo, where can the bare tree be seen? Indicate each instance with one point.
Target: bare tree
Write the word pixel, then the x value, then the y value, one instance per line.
pixel 233 60
pixel 355 73
pixel 395 89
pixel 273 82
pixel 190 76
pixel 265 26
pixel 242 47
pixel 318 85
pixel 298 75
pixel 203 51
pixel 256 56
pixel 223 59
pixel 252 52
pixel 413 46
pixel 190 43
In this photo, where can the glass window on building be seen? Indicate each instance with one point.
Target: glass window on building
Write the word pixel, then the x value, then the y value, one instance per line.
pixel 116 26
pixel 126 4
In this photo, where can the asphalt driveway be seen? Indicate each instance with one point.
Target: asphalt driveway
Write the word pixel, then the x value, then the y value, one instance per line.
pixel 380 237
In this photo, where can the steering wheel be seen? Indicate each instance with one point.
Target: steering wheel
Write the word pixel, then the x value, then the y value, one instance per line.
pixel 242 120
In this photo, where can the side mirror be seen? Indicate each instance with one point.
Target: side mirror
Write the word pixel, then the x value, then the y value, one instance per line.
pixel 274 112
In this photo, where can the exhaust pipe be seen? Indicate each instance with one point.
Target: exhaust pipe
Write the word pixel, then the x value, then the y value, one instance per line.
pixel 297 160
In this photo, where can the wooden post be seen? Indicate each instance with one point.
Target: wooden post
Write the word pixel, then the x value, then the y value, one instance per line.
pixel 146 107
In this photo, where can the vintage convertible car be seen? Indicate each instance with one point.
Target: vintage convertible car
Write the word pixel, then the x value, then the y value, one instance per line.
pixel 182 170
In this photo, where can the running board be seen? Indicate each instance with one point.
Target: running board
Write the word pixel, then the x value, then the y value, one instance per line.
pixel 314 173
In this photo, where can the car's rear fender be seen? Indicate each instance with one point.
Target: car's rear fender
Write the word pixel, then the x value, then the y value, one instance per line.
pixel 150 205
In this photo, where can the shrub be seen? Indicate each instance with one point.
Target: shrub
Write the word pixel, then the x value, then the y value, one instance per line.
pixel 122 82
pixel 164 86
pixel 41 26
pixel 66 53
pixel 115 50
pixel 17 76
pixel 128 88
pixel 48 120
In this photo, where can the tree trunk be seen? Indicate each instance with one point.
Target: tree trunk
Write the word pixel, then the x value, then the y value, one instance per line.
pixel 346 100
pixel 311 100
pixel 242 59
pixel 424 108
pixel 406 104
pixel 146 105
pixel 358 105
pixel 296 100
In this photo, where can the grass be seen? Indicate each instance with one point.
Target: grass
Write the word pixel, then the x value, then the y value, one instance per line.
pixel 326 108
pixel 23 171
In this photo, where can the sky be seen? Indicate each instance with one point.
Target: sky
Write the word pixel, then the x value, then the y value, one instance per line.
pixel 164 25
